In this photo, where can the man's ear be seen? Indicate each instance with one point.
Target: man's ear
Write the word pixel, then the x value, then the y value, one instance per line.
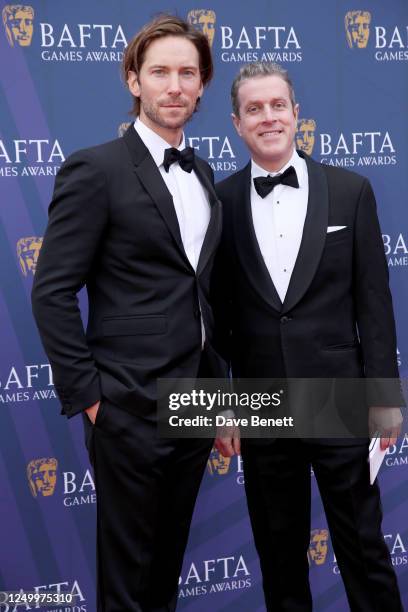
pixel 237 123
pixel 296 109
pixel 133 83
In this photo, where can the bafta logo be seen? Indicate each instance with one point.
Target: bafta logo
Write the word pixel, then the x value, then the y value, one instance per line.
pixel 18 23
pixel 204 20
pixel 305 135
pixel 28 250
pixel 357 24
pixel 217 464
pixel 318 546
pixel 122 128
pixel 42 476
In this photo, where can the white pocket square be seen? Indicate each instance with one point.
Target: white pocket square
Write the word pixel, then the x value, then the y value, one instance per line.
pixel 335 228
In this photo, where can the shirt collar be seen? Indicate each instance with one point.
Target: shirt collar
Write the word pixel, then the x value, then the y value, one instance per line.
pixel 155 143
pixel 296 161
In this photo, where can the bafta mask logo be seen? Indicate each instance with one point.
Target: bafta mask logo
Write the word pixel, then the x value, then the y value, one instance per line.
pixel 28 250
pixel 305 135
pixel 217 464
pixel 18 22
pixel 357 24
pixel 122 128
pixel 204 20
pixel 318 546
pixel 42 476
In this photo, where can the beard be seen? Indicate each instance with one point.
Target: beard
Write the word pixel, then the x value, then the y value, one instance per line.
pixel 156 114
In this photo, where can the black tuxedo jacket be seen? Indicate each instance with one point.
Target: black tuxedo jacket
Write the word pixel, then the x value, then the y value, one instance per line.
pixel 113 227
pixel 337 317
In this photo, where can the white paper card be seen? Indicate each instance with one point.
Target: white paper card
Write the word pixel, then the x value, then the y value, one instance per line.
pixel 375 457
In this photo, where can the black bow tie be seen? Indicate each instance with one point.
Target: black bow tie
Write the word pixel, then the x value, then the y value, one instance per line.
pixel 185 158
pixel 265 184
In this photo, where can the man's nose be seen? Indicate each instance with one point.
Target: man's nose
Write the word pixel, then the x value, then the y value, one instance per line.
pixel 268 114
pixel 174 84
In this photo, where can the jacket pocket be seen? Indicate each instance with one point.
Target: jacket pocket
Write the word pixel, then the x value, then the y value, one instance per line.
pixel 138 325
pixel 346 346
pixel 338 236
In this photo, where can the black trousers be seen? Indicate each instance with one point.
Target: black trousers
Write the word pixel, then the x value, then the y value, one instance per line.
pixel 277 482
pixel 146 491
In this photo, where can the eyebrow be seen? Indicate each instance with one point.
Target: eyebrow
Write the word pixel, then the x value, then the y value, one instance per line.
pixel 279 99
pixel 190 67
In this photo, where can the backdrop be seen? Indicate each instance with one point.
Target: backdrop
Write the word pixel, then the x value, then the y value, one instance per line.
pixel 60 91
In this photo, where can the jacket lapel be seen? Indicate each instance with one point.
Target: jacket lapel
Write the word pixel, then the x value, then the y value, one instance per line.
pixel 151 179
pixel 247 244
pixel 213 233
pixel 314 234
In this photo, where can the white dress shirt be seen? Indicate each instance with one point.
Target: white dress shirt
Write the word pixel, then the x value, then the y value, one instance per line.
pixel 278 221
pixel 189 197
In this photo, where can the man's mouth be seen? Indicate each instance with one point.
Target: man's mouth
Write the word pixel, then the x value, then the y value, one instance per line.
pixel 270 133
pixel 173 105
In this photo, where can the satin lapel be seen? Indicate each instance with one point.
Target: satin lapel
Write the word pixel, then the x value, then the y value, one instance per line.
pixel 151 179
pixel 247 244
pixel 314 235
pixel 213 233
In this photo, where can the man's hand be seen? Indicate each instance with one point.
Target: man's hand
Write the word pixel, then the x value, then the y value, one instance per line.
pixel 92 412
pixel 228 441
pixel 387 423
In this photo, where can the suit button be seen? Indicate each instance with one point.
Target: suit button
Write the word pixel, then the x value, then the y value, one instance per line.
pixel 196 313
pixel 285 319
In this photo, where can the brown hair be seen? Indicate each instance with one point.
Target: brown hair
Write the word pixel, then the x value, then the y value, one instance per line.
pixel 161 26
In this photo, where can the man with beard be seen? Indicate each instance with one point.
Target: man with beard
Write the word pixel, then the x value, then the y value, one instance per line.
pixel 137 221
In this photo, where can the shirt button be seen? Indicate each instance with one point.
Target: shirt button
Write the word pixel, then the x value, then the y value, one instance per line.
pixel 280 235
pixel 284 269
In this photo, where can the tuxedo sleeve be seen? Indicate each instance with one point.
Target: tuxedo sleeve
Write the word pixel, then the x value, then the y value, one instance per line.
pixel 375 318
pixel 78 216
